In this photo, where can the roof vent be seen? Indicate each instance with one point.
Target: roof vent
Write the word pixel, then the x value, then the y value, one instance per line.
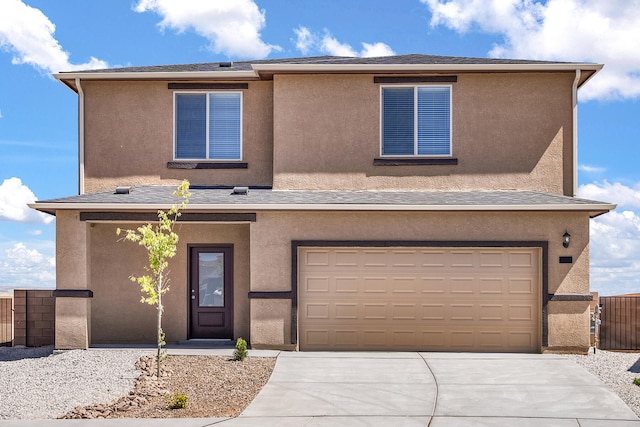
pixel 225 64
pixel 123 190
pixel 240 190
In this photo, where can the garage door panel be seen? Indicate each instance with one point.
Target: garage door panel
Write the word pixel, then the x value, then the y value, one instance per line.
pixel 424 299
pixel 347 284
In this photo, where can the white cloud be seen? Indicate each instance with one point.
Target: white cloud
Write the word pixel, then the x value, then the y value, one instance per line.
pixel 620 194
pixel 376 49
pixel 25 267
pixel 332 46
pixel 27 33
pixel 591 169
pixel 615 239
pixel 307 41
pixel 304 39
pixel 558 30
pixel 232 27
pixel 14 197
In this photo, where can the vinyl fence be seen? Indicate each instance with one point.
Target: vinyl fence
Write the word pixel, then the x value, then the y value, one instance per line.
pixel 620 327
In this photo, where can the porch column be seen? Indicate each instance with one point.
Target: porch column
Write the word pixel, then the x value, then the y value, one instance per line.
pixel 73 296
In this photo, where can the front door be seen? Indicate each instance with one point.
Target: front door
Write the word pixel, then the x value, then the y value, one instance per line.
pixel 211 291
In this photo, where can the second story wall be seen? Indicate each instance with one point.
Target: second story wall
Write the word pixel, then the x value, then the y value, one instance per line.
pixel 509 131
pixel 129 137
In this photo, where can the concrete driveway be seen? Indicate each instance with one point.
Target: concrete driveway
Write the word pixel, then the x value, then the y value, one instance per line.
pixel 443 389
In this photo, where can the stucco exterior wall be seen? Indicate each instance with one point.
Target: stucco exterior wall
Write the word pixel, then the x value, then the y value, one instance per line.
pixel 509 131
pixel 118 316
pixel 73 315
pixel 129 137
pixel 273 232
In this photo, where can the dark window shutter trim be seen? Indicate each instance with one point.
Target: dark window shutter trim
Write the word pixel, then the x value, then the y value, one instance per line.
pixel 208 86
pixel 72 293
pixel 152 217
pixel 570 297
pixel 207 165
pixel 415 79
pixel 415 162
pixel 270 295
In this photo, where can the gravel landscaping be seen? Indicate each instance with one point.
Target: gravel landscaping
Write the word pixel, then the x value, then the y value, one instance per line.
pixel 38 383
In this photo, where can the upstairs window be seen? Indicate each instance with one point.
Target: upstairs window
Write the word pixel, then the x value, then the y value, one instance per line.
pixel 416 121
pixel 208 126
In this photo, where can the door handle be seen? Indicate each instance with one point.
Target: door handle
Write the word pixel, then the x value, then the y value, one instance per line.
pixel 193 297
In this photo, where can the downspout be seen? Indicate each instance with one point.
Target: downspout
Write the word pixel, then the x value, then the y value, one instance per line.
pixel 80 137
pixel 575 131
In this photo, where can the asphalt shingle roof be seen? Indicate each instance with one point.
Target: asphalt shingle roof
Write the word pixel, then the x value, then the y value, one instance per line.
pixel 163 196
pixel 327 60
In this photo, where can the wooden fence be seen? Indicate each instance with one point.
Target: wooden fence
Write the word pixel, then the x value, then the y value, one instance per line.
pixel 620 327
pixel 6 321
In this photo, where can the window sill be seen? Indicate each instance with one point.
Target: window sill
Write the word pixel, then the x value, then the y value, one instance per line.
pixel 415 162
pixel 207 165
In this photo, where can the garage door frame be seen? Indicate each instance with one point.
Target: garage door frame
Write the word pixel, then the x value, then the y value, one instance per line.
pixel 543 245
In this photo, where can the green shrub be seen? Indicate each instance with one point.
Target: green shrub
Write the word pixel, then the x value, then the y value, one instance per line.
pixel 241 350
pixel 637 381
pixel 177 401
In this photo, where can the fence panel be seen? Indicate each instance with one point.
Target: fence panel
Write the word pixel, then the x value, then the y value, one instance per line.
pixel 6 321
pixel 620 328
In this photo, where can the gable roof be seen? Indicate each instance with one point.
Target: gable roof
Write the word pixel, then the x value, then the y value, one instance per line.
pixel 152 198
pixel 266 68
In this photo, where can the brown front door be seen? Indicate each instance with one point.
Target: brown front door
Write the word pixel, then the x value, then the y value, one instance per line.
pixel 211 291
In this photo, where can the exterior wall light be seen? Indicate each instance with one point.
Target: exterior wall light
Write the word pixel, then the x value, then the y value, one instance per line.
pixel 566 239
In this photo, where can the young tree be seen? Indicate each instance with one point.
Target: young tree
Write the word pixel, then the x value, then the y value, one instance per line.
pixel 160 241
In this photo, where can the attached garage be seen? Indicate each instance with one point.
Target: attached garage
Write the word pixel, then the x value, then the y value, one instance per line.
pixel 420 298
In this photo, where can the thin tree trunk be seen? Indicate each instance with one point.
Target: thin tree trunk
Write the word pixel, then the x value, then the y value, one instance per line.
pixel 159 326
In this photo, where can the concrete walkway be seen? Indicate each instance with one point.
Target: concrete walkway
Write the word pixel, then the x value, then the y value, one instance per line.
pixel 324 389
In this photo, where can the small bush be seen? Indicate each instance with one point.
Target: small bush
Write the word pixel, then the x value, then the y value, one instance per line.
pixel 177 401
pixel 637 381
pixel 241 350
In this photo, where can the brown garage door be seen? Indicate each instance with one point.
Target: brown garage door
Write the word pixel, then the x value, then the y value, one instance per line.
pixel 434 299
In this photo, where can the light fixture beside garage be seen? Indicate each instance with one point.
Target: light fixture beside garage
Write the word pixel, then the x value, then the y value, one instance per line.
pixel 566 239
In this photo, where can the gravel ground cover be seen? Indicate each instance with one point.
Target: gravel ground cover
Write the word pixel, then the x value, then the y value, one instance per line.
pixel 36 383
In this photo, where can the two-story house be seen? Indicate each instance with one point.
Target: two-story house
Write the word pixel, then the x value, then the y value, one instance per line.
pixel 410 202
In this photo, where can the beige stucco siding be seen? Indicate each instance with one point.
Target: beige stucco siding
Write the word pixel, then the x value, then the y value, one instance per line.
pixel 129 137
pixel 117 314
pixel 273 232
pixel 509 131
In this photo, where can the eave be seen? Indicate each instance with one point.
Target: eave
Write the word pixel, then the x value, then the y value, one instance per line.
pixel 267 71
pixel 594 210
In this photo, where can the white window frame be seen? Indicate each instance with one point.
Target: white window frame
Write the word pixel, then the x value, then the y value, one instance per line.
pixel 415 122
pixel 175 128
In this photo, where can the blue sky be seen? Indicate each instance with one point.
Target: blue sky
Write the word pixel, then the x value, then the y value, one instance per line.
pixel 38 123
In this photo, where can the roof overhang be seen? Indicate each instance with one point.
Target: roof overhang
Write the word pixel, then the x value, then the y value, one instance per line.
pixel 587 69
pixel 594 210
pixel 69 78
pixel 267 71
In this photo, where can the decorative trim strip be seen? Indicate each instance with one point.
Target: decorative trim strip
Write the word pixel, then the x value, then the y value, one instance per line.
pixel 415 79
pixel 205 86
pixel 152 217
pixel 72 293
pixel 207 165
pixel 270 295
pixel 543 245
pixel 570 297
pixel 413 162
